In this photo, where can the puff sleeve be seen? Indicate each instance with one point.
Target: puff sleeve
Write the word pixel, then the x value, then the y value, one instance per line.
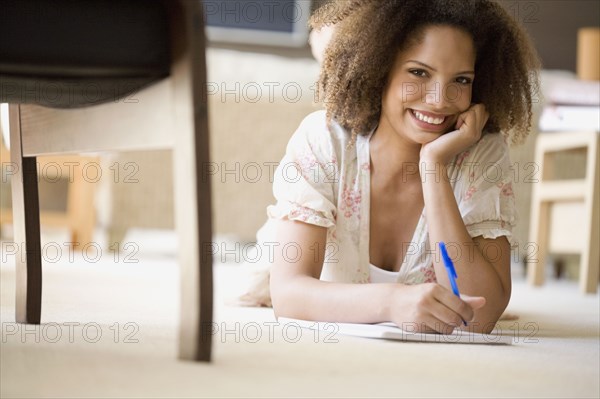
pixel 483 187
pixel 304 182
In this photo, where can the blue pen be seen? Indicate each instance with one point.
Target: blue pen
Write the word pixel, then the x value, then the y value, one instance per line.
pixel 451 271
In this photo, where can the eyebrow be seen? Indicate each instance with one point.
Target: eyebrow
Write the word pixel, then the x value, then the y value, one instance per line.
pixel 433 69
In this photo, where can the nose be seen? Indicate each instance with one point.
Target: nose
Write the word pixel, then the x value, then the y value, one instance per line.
pixel 435 96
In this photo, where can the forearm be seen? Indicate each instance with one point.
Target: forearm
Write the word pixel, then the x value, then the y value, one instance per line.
pixel 476 276
pixel 307 298
pixel 297 292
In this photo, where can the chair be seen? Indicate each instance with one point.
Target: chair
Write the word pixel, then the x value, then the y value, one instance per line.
pixel 67 68
pixel 564 213
pixel 78 216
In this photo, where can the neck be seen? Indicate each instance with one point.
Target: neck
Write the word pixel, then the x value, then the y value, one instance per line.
pixel 393 158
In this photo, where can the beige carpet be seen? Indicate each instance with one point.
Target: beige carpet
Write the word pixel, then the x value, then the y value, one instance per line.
pixel 110 331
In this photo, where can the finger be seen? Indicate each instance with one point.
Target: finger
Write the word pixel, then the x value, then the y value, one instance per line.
pixel 446 317
pixel 478 122
pixel 482 115
pixel 471 106
pixel 485 119
pixel 470 116
pixel 479 107
pixel 434 324
pixel 464 118
pixel 427 330
pixel 434 313
pixel 456 304
pixel 475 302
pixel 477 113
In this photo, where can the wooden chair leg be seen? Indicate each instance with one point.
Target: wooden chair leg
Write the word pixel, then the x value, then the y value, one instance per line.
pixel 26 224
pixel 80 209
pixel 590 256
pixel 192 193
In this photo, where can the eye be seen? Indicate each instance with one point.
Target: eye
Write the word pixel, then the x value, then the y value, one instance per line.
pixel 418 72
pixel 463 80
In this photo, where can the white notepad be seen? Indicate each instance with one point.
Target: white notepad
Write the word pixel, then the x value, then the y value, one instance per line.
pixel 391 331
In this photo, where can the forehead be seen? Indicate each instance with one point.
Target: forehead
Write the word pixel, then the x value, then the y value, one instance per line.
pixel 440 43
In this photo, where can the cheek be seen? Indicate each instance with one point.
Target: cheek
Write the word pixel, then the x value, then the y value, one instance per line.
pixel 401 92
pixel 409 92
pixel 394 99
pixel 459 95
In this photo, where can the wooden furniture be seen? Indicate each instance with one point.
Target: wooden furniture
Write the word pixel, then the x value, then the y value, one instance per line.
pixel 146 59
pixel 79 215
pixel 564 213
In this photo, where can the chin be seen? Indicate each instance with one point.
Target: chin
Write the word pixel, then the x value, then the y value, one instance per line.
pixel 423 137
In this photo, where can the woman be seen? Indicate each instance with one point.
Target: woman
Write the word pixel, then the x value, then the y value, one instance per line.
pixel 420 100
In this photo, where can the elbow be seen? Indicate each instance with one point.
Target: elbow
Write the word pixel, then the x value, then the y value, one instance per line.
pixel 284 297
pixel 293 296
pixel 487 317
pixel 286 304
pixel 487 328
pixel 484 324
pixel 281 306
pixel 279 301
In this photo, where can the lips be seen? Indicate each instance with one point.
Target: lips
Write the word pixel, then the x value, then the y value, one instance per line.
pixel 429 120
pixel 428 117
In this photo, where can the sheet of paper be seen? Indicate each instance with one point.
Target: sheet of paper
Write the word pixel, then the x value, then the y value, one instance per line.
pixel 392 332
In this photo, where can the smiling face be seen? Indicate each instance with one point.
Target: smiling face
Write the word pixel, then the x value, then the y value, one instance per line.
pixel 430 84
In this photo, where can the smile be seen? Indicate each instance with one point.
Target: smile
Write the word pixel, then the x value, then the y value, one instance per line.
pixel 432 120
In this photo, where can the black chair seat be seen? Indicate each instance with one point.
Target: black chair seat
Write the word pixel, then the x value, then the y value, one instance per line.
pixel 75 53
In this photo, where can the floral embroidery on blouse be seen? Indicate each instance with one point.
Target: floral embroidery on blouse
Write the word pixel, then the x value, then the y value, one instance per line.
pixel 461 158
pixel 307 215
pixel 350 201
pixel 306 164
pixel 507 190
pixel 429 274
pixel 470 192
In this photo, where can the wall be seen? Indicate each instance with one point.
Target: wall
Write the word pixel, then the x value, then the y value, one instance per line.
pixel 553 26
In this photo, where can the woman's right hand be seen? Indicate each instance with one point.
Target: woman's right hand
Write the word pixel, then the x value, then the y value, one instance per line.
pixel 431 308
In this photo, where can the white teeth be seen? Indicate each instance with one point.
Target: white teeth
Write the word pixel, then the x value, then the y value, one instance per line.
pixel 428 119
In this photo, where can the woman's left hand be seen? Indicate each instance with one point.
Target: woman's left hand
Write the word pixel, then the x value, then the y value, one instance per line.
pixel 469 127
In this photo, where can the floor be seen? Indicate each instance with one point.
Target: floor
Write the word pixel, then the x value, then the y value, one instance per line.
pixel 110 330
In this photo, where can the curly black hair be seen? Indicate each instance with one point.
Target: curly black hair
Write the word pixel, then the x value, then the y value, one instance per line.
pixel 357 62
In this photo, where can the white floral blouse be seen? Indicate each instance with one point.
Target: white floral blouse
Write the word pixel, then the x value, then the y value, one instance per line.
pixel 324 180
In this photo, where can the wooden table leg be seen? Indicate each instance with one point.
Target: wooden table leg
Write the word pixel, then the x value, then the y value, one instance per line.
pixel 26 224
